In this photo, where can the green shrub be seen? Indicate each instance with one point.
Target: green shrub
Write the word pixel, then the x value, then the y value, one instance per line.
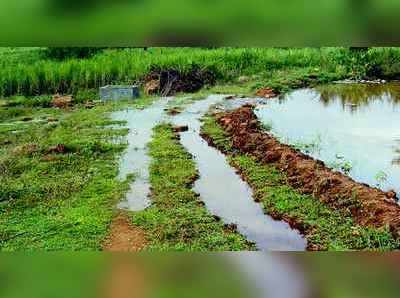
pixel 84 95
pixel 43 101
pixel 62 53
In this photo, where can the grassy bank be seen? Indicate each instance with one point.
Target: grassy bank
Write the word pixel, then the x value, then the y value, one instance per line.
pixel 30 73
pixel 58 197
pixel 177 219
pixel 324 228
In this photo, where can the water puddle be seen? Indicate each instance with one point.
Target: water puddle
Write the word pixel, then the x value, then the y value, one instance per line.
pixel 224 192
pixel 354 128
pixel 272 275
pixel 135 159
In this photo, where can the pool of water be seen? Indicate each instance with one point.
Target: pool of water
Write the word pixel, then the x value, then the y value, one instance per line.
pixel 135 159
pixel 272 275
pixel 354 128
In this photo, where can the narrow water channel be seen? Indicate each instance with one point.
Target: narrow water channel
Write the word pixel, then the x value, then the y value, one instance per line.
pixel 225 193
pixel 354 128
pixel 135 159
pixel 272 275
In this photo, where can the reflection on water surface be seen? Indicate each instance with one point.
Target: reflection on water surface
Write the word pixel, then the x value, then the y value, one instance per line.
pixel 354 128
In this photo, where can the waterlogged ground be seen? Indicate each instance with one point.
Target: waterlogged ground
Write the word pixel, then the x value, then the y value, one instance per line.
pixel 354 128
pixel 224 192
pixel 339 124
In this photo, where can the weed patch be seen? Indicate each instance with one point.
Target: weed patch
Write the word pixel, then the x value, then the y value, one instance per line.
pixel 64 198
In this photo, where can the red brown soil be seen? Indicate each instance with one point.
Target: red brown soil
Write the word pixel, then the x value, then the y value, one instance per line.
pixel 124 237
pixel 126 279
pixel 61 102
pixel 266 93
pixel 368 206
pixel 57 149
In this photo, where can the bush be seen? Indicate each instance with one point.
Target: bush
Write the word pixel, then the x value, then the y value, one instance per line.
pixel 85 95
pixel 30 102
pixel 63 53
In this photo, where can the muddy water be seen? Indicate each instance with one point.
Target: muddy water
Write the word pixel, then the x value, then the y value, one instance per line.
pixel 225 193
pixel 135 159
pixel 354 128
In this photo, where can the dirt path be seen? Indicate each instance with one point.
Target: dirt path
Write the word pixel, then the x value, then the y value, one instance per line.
pixel 126 279
pixel 368 206
pixel 124 237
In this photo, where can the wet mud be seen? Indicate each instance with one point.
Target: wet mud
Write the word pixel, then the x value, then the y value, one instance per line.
pixel 369 206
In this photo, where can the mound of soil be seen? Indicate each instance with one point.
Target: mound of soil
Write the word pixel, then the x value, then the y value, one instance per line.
pixel 266 93
pixel 62 102
pixel 368 206
pixel 168 82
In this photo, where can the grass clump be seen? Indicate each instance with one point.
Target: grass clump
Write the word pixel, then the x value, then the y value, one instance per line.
pixel 177 219
pixel 325 228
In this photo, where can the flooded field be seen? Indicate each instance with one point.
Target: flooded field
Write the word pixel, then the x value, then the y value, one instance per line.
pixel 354 128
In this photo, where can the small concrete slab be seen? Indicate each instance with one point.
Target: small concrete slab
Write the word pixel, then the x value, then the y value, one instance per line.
pixel 118 92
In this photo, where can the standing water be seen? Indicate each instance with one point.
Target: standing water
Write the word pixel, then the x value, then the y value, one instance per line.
pixel 225 193
pixel 273 275
pixel 354 128
pixel 135 159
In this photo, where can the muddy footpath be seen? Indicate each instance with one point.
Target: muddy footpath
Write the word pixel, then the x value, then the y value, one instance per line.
pixel 368 206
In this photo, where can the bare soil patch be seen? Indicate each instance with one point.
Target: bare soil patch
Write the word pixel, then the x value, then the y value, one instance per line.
pixel 124 237
pixel 368 206
pixel 126 279
pixel 62 102
pixel 266 93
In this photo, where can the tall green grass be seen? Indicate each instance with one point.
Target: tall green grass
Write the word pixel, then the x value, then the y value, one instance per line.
pixel 43 76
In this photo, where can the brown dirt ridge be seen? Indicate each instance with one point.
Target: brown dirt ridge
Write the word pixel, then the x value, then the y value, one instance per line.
pixel 124 237
pixel 369 206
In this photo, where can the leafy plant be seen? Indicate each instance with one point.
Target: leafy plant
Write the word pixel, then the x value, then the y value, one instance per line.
pixel 381 177
pixel 340 164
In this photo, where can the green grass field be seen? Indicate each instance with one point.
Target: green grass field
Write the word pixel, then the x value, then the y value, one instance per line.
pixel 58 201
